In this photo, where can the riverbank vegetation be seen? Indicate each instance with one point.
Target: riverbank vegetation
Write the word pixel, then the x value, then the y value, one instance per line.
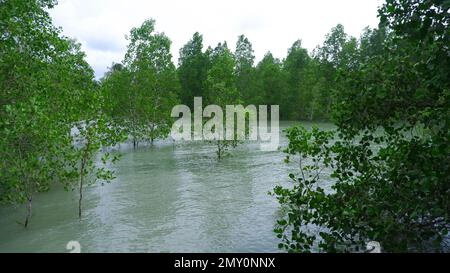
pixel 47 90
pixel 393 187
pixel 390 154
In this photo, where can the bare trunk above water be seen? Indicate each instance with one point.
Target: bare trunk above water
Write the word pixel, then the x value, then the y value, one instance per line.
pixel 29 211
pixel 81 196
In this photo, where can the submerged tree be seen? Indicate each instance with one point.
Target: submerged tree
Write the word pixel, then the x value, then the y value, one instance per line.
pixel 46 87
pixel 141 93
pixel 92 135
pixel 222 91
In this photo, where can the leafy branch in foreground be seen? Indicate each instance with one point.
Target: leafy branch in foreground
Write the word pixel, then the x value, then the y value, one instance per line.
pixel 389 159
pixel 391 189
pixel 93 135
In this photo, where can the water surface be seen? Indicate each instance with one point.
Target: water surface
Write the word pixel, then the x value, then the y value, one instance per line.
pixel 165 199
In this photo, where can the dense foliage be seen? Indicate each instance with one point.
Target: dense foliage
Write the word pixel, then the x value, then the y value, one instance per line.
pixel 390 153
pixel 142 91
pixel 47 90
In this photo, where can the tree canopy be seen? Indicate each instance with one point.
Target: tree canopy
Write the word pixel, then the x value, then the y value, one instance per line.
pixel 390 152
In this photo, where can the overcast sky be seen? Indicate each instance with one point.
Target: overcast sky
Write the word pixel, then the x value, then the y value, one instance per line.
pixel 101 25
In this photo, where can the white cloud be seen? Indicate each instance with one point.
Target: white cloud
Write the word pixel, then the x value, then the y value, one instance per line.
pixel 271 25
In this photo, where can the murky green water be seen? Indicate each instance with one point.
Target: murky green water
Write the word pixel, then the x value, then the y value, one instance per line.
pixel 164 199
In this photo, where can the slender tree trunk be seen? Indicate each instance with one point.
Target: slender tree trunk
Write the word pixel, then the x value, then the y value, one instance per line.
pixel 84 160
pixel 152 138
pixel 135 143
pixel 81 189
pixel 152 133
pixel 219 150
pixel 81 197
pixel 27 219
pixel 28 187
pixel 133 133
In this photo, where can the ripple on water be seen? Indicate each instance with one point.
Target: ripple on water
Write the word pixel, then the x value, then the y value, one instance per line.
pixel 165 199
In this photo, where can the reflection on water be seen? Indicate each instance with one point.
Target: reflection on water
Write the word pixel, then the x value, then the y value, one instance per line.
pixel 165 199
